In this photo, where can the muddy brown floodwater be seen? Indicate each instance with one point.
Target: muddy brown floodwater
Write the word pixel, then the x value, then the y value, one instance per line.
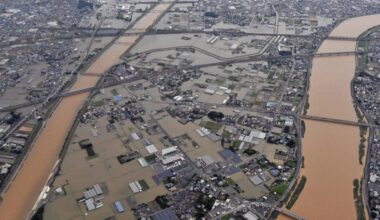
pixel 22 193
pixel 330 150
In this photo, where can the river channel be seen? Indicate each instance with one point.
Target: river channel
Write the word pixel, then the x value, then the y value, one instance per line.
pixel 24 190
pixel 331 154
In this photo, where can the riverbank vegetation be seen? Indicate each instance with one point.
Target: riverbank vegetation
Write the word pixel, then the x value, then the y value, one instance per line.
pixel 358 198
pixel 363 133
pixel 362 145
pixel 303 128
pixel 297 192
pixel 39 215
pixel 306 106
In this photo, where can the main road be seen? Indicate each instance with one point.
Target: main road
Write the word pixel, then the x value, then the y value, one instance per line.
pixel 22 193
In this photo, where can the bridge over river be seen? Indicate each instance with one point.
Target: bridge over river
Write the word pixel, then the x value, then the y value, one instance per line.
pixel 245 58
pixel 86 32
pixel 281 210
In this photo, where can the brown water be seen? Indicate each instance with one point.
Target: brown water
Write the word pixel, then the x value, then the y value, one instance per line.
pixel 23 192
pixel 331 150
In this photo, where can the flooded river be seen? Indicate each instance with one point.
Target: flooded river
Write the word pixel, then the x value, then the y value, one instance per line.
pixel 331 150
pixel 23 192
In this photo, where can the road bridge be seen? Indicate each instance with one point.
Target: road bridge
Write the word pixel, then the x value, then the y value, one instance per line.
pixel 338 121
pixel 272 112
pixel 114 31
pixel 281 210
pixel 246 57
pixel 100 75
pixel 31 103
pixel 137 77
pixel 86 32
pixel 226 62
pixel 92 74
pixel 252 58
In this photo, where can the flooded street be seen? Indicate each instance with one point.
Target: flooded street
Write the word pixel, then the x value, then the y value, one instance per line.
pixel 330 150
pixel 22 193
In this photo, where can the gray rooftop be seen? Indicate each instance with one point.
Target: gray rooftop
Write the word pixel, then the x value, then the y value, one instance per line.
pixel 165 214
